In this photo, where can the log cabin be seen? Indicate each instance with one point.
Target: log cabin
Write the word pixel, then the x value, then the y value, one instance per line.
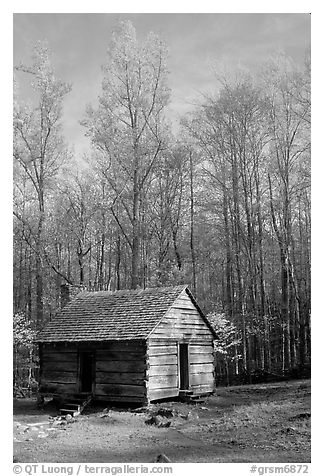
pixel 128 346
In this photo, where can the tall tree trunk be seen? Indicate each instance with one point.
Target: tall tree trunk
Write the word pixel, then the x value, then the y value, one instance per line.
pixel 135 239
pixel 192 211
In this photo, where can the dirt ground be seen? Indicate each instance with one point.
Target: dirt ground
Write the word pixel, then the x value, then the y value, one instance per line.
pixel 252 423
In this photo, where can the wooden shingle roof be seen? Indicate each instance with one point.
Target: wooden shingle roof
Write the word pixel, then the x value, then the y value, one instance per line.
pixel 105 315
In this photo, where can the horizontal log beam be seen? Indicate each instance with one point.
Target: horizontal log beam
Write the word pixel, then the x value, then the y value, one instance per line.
pixel 120 366
pixel 120 390
pixel 119 355
pixel 57 387
pixel 57 376
pixel 201 349
pixel 162 350
pixel 201 358
pixel 120 377
pixel 163 359
pixel 163 381
pixel 157 394
pixel 59 366
pixel 201 368
pixel 163 370
pixel 202 379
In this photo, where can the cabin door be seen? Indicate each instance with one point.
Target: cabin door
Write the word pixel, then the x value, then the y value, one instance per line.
pixel 183 367
pixel 86 371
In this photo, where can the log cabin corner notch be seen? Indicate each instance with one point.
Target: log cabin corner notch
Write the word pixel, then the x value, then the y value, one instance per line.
pixel 128 346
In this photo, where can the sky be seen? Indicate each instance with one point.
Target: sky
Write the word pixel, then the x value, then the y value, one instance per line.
pixel 196 42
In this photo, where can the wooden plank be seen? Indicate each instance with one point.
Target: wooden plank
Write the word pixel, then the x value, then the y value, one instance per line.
pixel 121 346
pixel 174 312
pixel 183 305
pixel 163 359
pixel 163 381
pixel 202 379
pixel 59 356
pixel 201 349
pixel 121 398
pixel 59 377
pixel 162 350
pixel 188 333
pixel 160 339
pixel 183 320
pixel 201 368
pixel 184 299
pixel 199 389
pixel 118 355
pixel 56 387
pixel 201 358
pixel 157 394
pixel 120 366
pixel 120 377
pixel 60 366
pixel 59 348
pixel 184 326
pixel 120 390
pixel 163 370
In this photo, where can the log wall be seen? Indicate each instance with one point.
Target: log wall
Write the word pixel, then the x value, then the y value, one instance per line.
pixel 120 370
pixel 58 369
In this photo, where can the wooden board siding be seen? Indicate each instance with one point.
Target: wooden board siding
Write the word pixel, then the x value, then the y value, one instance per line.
pixel 162 371
pixel 182 322
pixel 201 359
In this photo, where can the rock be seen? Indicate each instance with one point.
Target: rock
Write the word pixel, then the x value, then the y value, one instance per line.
pixel 158 421
pixel 186 417
pixel 162 459
pixel 151 421
pixel 166 412
pixel 301 416
pixel 42 435
pixel 68 417
pixel 140 410
pixel 166 424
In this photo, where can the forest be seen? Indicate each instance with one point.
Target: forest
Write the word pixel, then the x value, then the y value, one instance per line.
pixel 221 202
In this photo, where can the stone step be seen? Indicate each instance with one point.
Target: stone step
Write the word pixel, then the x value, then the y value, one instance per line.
pixel 75 404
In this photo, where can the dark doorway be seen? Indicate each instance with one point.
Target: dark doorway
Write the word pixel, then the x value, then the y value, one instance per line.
pixel 183 366
pixel 86 371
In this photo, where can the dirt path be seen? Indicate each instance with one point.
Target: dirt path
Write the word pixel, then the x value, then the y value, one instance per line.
pixel 239 424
